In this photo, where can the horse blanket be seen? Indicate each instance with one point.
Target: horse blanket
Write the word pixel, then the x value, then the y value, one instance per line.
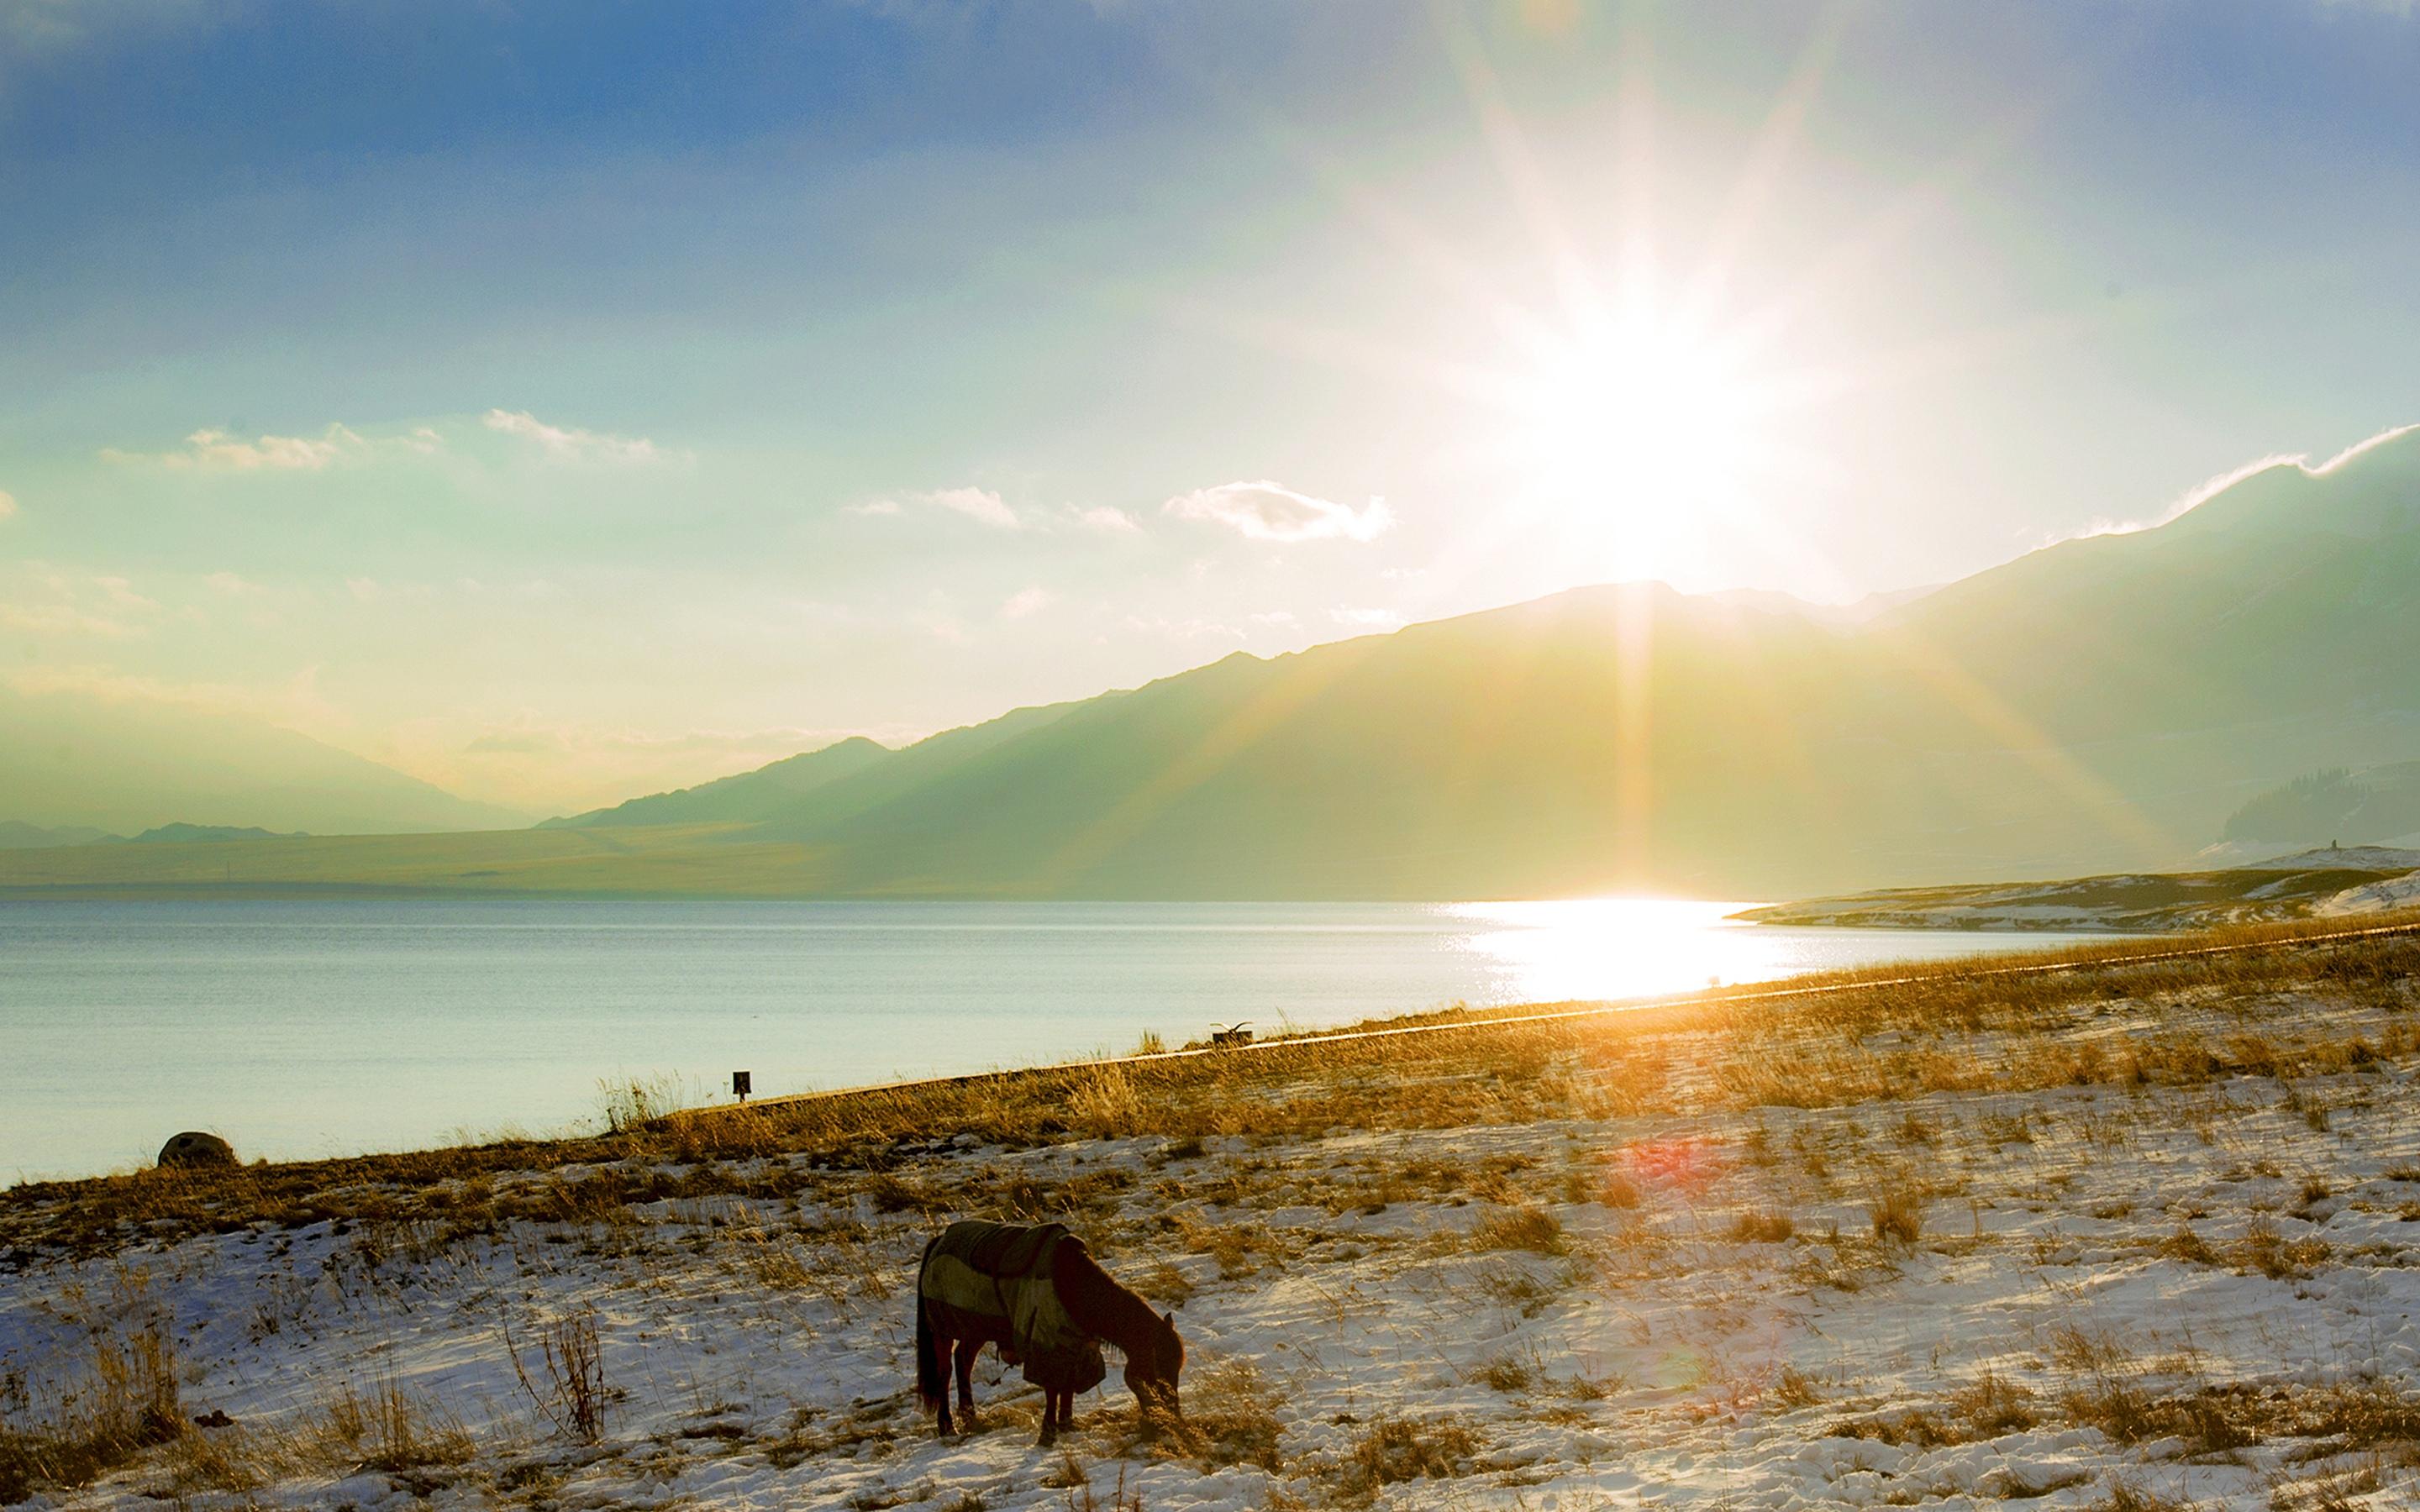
pixel 1003 1270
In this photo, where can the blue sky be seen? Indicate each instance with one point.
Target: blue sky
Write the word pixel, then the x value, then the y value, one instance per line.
pixel 597 395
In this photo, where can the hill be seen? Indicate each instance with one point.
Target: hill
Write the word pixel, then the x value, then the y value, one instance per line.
pixel 73 759
pixel 178 834
pixel 743 798
pixel 2323 884
pixel 16 835
pixel 2378 800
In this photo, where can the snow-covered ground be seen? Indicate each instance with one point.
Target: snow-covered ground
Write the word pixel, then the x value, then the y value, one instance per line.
pixel 2203 1291
pixel 2324 883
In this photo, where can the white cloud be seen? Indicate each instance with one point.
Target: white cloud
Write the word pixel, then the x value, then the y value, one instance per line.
pixel 1028 601
pixel 1107 521
pixel 217 451
pixel 7 503
pixel 568 443
pixel 1265 511
pixel 981 505
pixel 1276 619
pixel 48 602
pixel 210 450
pixel 1192 629
pixel 988 507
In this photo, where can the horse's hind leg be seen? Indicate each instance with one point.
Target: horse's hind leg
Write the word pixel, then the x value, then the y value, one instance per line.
pixel 1055 1406
pixel 968 1349
pixel 942 1342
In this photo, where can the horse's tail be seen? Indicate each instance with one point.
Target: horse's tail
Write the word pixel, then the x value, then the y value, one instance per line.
pixel 932 1370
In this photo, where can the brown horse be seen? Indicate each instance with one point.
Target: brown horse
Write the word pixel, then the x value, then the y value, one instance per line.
pixel 1097 1304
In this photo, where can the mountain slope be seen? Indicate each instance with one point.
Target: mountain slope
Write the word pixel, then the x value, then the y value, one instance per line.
pixel 69 760
pixel 2097 705
pixel 16 835
pixel 745 798
pixel 2381 803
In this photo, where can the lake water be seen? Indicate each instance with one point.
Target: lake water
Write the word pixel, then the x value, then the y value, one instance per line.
pixel 333 1027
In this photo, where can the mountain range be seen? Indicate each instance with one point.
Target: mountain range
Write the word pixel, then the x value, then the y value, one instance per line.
pixel 76 761
pixel 2103 704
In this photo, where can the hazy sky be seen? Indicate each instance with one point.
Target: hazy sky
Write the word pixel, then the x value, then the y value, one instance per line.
pixel 560 401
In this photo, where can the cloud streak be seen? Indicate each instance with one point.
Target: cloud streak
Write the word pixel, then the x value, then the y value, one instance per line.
pixel 569 443
pixel 1026 602
pixel 211 450
pixel 981 505
pixel 1265 511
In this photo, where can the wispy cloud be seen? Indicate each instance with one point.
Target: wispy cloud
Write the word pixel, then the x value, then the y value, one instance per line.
pixel 1265 511
pixel 1367 619
pixel 1107 521
pixel 1027 601
pixel 38 28
pixel 982 505
pixel 569 443
pixel 7 503
pixel 1188 629
pixel 49 602
pixel 991 509
pixel 210 450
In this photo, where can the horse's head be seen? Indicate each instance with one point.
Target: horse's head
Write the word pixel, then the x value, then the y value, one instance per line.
pixel 1152 1369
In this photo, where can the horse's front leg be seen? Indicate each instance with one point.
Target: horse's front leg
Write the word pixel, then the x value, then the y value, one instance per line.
pixel 968 1349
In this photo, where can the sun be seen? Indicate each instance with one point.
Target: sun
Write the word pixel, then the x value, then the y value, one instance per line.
pixel 1637 432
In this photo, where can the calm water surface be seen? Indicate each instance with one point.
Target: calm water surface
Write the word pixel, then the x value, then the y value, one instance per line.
pixel 313 1028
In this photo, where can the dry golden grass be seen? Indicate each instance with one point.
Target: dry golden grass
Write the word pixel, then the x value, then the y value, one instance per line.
pixel 1400 1449
pixel 125 1402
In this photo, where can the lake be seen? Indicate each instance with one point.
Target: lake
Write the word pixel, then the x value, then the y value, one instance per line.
pixel 332 1027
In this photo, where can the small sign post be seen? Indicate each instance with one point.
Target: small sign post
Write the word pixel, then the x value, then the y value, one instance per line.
pixel 740 1085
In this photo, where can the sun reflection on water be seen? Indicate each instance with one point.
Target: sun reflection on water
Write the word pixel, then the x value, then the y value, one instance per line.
pixel 1595 948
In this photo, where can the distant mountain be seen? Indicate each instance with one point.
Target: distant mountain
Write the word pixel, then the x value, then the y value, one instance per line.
pixel 216 834
pixel 15 835
pixel 74 759
pixel 2382 802
pixel 2098 705
pixel 745 799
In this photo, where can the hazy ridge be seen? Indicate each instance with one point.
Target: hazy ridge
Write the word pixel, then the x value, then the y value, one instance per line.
pixel 2102 705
